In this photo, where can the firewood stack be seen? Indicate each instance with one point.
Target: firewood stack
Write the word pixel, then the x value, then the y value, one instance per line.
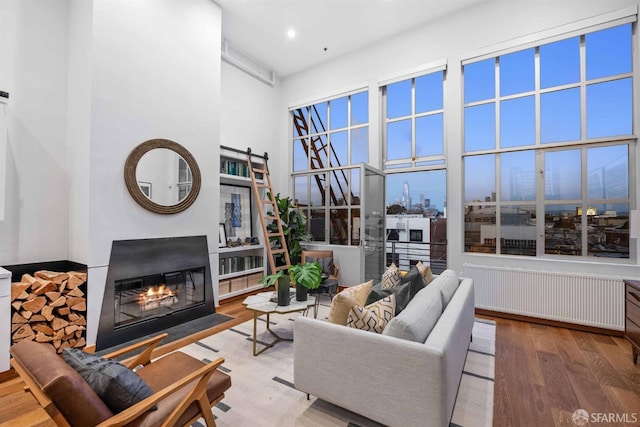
pixel 49 307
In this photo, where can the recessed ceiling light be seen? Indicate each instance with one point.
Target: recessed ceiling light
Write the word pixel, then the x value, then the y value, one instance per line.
pixel 291 33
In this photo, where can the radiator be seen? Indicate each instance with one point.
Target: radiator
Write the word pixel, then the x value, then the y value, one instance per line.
pixel 583 299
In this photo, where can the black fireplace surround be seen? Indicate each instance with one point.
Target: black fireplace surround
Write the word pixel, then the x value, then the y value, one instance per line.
pixel 153 284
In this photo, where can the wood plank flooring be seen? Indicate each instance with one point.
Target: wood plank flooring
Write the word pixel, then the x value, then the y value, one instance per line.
pixel 543 374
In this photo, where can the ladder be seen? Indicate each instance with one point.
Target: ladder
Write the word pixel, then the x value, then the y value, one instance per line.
pixel 266 200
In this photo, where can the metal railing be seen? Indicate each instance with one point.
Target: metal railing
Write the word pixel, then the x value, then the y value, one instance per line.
pixel 405 254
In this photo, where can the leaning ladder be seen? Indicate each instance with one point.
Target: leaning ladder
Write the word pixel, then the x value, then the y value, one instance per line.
pixel 266 200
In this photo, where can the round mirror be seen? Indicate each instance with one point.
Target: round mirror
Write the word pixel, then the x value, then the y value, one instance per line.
pixel 162 176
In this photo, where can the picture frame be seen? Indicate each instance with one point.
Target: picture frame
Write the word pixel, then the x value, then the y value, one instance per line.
pixel 235 211
pixel 222 236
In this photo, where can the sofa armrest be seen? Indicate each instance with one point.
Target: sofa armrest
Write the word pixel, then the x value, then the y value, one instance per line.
pixel 452 335
pixel 353 368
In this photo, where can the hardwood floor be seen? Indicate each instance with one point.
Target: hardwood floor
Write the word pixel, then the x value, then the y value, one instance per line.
pixel 543 374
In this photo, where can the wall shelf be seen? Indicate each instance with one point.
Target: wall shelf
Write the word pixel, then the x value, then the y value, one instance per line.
pixel 241 273
pixel 241 267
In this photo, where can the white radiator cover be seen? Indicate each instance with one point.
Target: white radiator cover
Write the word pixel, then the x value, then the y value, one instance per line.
pixel 582 299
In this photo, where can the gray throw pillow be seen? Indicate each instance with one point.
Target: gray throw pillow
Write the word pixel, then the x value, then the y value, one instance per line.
pixel 325 263
pixel 117 386
pixel 409 286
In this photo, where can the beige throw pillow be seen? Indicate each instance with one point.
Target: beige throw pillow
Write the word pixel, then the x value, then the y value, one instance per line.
pixel 342 303
pixel 373 317
pixel 425 271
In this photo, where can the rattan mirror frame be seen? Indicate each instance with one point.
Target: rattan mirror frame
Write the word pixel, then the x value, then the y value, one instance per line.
pixel 132 183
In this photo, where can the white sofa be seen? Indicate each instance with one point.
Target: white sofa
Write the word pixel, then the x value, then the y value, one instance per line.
pixel 394 381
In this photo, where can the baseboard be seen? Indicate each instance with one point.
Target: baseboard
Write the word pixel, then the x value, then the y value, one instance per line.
pixel 547 322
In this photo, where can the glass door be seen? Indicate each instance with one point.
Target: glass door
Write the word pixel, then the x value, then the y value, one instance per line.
pixel 373 227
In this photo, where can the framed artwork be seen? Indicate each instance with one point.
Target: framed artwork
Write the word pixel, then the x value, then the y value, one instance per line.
pixel 235 211
pixel 222 236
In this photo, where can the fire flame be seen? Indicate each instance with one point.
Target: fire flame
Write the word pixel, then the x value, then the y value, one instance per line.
pixel 157 294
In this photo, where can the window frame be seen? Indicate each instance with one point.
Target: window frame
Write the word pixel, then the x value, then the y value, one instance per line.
pixel 329 171
pixel 540 149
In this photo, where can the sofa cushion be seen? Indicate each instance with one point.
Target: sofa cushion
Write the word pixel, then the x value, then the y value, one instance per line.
pixel 391 277
pixel 374 317
pixel 409 286
pixel 419 317
pixel 117 385
pixel 343 301
pixel 425 271
pixel 448 283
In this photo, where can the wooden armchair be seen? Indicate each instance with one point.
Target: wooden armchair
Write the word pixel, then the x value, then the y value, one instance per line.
pixel 184 388
pixel 326 258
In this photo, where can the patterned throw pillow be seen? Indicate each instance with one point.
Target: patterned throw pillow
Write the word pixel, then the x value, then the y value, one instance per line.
pixel 425 270
pixel 373 317
pixel 391 277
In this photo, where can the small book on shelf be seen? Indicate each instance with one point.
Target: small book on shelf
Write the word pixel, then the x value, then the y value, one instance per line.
pixel 233 168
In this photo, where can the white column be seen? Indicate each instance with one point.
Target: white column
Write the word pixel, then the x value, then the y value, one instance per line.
pixel 5 318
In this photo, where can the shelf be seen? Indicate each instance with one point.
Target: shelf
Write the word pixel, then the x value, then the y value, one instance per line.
pixel 246 248
pixel 240 273
pixel 240 292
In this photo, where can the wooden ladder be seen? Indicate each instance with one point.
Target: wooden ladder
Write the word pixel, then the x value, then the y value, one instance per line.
pixel 267 200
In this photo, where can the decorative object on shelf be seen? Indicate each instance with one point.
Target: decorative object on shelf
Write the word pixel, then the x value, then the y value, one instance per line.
pixel 235 211
pixel 281 280
pixel 222 236
pixel 294 224
pixel 146 160
pixel 305 276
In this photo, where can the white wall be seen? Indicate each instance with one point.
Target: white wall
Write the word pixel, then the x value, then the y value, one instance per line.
pixel 33 37
pixel 79 37
pixel 250 118
pixel 489 23
pixel 155 74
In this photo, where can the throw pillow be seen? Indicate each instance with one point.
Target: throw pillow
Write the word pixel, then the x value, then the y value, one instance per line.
pixel 373 317
pixel 391 277
pixel 401 293
pixel 425 271
pixel 325 263
pixel 342 302
pixel 117 386
pixel 409 286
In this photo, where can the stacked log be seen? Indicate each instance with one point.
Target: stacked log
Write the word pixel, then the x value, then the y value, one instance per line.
pixel 50 307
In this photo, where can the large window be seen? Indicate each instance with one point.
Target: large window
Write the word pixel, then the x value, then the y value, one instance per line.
pixel 413 130
pixel 548 133
pixel 330 140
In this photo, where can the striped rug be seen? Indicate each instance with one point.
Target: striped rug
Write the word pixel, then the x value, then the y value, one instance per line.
pixel 262 392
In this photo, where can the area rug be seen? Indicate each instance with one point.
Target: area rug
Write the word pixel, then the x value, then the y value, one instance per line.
pixel 262 392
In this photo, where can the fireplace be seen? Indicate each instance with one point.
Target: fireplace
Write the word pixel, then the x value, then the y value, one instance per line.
pixel 153 284
pixel 141 299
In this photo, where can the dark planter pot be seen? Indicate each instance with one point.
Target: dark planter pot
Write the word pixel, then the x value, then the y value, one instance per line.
pixel 283 291
pixel 301 293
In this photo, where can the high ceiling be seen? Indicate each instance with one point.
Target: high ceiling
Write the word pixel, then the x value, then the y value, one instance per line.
pixel 258 28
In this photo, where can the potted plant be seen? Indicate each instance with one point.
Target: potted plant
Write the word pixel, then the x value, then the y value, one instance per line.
pixel 281 280
pixel 305 276
pixel 294 226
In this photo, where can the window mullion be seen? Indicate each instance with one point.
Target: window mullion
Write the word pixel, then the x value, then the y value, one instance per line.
pixel 584 217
